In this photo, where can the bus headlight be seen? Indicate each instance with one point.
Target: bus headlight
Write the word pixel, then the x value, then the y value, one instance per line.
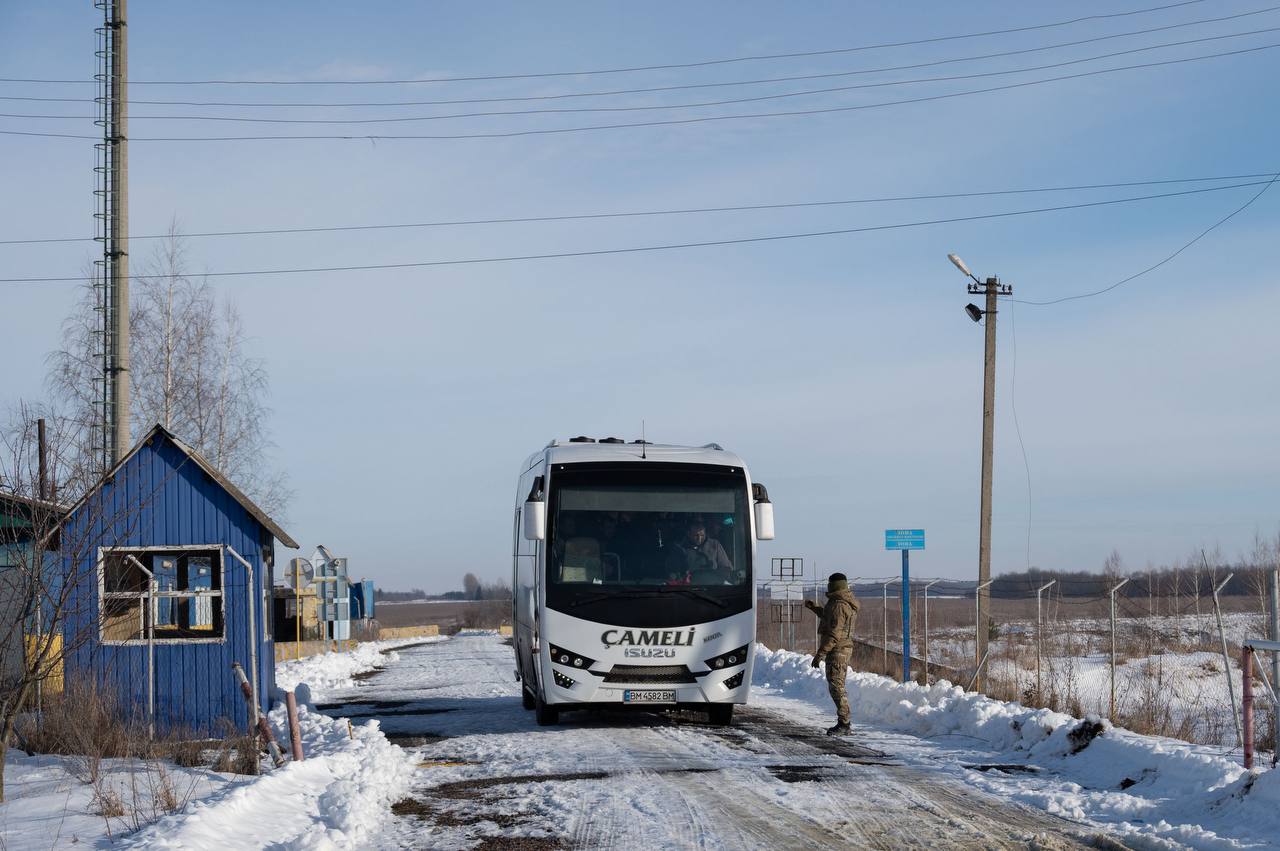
pixel 728 660
pixel 734 681
pixel 567 657
pixel 562 680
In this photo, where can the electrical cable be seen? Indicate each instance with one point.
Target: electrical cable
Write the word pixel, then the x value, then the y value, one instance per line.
pixel 670 212
pixel 664 247
pixel 626 70
pixel 1154 266
pixel 1017 426
pixel 651 107
pixel 508 134
pixel 655 89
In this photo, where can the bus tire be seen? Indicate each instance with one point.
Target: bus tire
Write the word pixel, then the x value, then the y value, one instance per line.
pixel 546 716
pixel 526 699
pixel 720 714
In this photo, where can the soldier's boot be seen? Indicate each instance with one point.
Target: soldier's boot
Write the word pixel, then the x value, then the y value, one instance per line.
pixel 840 729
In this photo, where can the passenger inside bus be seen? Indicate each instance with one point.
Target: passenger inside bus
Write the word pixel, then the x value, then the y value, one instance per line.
pixel 696 559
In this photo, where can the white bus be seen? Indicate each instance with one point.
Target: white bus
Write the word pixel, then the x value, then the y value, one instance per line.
pixel 634 577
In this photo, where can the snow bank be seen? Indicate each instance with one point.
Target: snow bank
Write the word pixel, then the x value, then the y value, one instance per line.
pixel 335 798
pixel 1159 793
pixel 332 671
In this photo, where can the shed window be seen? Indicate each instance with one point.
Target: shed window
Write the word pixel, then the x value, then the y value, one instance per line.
pixel 180 599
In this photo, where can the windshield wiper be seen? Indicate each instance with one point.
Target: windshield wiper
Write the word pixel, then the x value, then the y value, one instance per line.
pixel 590 598
pixel 686 590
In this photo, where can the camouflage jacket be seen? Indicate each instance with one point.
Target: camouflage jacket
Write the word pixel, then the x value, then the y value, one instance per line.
pixel 836 620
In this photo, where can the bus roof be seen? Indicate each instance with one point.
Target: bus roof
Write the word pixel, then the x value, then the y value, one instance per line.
pixel 564 452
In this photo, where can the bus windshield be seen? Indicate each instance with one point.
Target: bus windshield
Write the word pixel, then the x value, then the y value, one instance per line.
pixel 662 528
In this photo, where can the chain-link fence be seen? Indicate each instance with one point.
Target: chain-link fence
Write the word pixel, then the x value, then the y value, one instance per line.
pixel 1154 655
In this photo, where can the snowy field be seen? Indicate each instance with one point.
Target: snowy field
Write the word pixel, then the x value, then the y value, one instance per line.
pixel 1170 675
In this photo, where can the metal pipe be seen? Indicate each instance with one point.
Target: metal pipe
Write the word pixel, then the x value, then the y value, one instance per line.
pixel 906 617
pixel 1039 631
pixel 253 632
pixel 1275 664
pixel 925 637
pixel 1226 659
pixel 151 643
pixel 1246 702
pixel 884 647
pixel 1123 582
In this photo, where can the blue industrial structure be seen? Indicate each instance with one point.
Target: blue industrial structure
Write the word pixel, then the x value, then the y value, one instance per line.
pixel 362 607
pixel 172 570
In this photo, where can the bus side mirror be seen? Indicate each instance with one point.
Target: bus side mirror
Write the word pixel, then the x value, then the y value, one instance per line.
pixel 764 512
pixel 535 520
pixel 764 521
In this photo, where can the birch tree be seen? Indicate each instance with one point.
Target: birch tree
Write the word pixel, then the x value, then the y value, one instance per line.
pixel 190 372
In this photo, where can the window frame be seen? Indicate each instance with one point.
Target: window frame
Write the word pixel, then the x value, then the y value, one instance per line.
pixel 105 596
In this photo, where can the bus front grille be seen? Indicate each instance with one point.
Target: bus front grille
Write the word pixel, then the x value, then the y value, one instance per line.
pixel 650 674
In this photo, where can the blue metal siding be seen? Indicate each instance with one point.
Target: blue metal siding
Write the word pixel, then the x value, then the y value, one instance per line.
pixel 161 498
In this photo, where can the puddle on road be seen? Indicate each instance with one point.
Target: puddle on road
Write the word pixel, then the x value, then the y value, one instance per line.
pixel 1006 768
pixel 414 740
pixel 802 773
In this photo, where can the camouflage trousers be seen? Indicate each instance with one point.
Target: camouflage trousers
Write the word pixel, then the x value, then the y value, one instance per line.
pixel 837 668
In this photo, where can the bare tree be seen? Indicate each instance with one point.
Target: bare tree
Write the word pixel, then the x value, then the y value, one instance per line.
pixel 44 616
pixel 190 372
pixel 471 586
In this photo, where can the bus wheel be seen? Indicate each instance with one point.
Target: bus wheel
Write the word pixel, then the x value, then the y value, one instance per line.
pixel 546 716
pixel 720 714
pixel 526 699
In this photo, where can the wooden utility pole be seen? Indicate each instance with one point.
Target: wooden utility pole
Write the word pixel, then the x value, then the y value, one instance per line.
pixel 991 288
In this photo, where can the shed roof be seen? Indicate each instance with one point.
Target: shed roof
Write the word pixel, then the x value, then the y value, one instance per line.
pixel 238 495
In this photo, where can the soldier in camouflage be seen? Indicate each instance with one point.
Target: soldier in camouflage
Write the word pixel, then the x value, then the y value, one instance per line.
pixel 835 643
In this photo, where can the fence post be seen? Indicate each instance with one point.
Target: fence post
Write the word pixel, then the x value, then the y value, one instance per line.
pixel 1275 665
pixel 978 626
pixel 925 636
pixel 1226 659
pixel 1039 632
pixel 885 645
pixel 1113 591
pixel 1246 702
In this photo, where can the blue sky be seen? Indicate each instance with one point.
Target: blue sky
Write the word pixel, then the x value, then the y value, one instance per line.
pixel 842 368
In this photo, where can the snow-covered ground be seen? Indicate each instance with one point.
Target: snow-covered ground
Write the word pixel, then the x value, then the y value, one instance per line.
pixel 486 772
pixel 927 766
pixel 49 804
pixel 332 799
pixel 1146 791
pixel 328 672
pixel 1170 675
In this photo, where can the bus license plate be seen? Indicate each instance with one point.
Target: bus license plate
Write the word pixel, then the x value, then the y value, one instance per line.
pixel 645 696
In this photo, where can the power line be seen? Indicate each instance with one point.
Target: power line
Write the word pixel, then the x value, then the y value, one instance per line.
pixel 669 212
pixel 508 134
pixel 663 247
pixel 655 89
pixel 657 107
pixel 626 70
pixel 1154 266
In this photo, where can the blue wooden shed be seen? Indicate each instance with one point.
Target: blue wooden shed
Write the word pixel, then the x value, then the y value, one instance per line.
pixel 172 569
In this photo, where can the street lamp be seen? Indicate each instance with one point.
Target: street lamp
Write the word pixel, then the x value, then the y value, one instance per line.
pixel 990 288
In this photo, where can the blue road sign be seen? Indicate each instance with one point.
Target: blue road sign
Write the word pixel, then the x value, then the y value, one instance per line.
pixel 904 539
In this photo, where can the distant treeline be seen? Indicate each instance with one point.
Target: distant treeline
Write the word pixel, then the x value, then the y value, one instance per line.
pixel 472 589
pixel 1250 580
pixel 381 594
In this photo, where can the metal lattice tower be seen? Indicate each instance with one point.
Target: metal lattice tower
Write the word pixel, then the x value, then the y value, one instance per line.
pixel 111 214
